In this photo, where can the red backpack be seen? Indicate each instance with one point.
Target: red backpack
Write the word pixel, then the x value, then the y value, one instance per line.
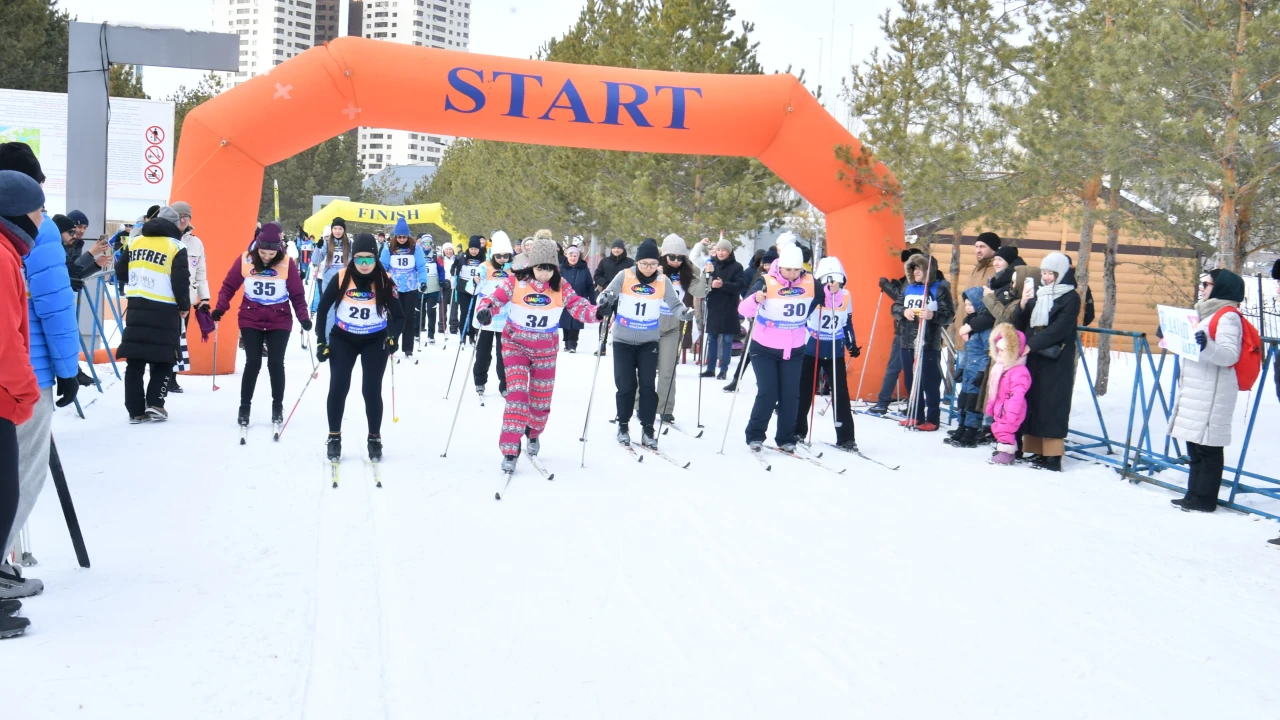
pixel 1249 366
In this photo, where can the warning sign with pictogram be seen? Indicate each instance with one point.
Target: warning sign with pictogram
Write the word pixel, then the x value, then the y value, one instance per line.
pixel 155 135
pixel 154 154
pixel 154 174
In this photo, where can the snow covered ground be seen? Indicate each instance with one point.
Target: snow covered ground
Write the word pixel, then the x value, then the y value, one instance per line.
pixel 233 582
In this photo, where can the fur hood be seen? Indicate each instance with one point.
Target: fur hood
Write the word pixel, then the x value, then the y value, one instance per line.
pixel 913 263
pixel 1007 356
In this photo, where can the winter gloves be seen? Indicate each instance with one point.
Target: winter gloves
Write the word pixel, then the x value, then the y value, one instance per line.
pixel 217 314
pixel 1201 339
pixel 606 303
pixel 483 316
pixel 391 345
pixel 854 351
pixel 306 324
pixel 67 389
pixel 322 351
pixel 422 288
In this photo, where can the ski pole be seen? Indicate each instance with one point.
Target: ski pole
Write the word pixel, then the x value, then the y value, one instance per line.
pixel 702 359
pixel 746 348
pixel 835 396
pixel 605 323
pixel 68 509
pixel 458 354
pixel 813 392
pixel 870 343
pixel 674 365
pixel 458 408
pixel 314 374
pixel 215 356
pixel 394 417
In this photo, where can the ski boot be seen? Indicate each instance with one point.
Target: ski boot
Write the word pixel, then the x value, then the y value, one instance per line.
pixel 139 419
pixel 173 386
pixel 788 447
pixel 509 463
pixel 848 446
pixel 480 390
pixel 731 387
pixel 532 445
pixel 648 438
pixel 878 409
pixel 12 626
pixel 14 586
pixel 669 419
pixel 755 445
pixel 624 434
pixel 277 415
pixel 242 418
pixel 9 607
pixel 722 375
pixel 334 447
pixel 157 414
pixel 375 448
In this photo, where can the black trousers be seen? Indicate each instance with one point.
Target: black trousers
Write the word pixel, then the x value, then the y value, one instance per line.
pixel 427 311
pixel 844 413
pixel 446 302
pixel 8 477
pixel 929 391
pixel 571 338
pixel 636 367
pixel 1206 474
pixel 409 302
pixel 487 346
pixel 135 400
pixel 275 341
pixel 777 387
pixel 343 353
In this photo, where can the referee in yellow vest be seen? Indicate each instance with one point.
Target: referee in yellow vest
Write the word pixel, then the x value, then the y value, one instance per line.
pixel 156 277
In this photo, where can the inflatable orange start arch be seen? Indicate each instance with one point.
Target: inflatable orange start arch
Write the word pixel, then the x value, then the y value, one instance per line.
pixel 350 82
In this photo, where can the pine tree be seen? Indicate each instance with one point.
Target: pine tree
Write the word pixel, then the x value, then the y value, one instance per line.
pixel 33 45
pixel 125 81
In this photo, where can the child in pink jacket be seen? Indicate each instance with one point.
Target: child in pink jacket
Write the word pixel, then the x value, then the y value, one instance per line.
pixel 1007 383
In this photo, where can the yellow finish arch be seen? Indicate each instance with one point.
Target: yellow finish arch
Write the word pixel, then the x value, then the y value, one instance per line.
pixel 354 212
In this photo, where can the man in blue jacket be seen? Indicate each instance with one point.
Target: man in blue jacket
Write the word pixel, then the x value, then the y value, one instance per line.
pixel 55 352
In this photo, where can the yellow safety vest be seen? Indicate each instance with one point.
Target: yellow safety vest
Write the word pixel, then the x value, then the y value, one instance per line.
pixel 151 268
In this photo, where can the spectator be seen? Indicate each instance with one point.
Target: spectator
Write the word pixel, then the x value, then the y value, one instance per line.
pixel 1004 289
pixel 199 285
pixel 726 279
pixel 521 260
pixel 892 289
pixel 984 250
pixel 54 353
pixel 20 218
pixel 81 263
pixel 612 264
pixel 157 278
pixel 1207 389
pixel 1048 318
pixel 701 252
pixel 80 221
pixel 574 271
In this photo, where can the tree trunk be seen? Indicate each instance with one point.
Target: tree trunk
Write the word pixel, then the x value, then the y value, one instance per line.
pixel 1231 255
pixel 1108 317
pixel 1089 205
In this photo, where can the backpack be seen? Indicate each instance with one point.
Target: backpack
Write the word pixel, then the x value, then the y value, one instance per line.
pixel 1249 366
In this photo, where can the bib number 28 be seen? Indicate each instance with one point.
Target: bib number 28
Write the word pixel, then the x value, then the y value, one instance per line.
pixel 358 314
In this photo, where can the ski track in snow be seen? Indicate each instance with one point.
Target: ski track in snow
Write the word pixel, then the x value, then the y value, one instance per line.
pixel 234 582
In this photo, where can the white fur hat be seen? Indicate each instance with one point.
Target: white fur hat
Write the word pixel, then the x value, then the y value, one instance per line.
pixel 500 244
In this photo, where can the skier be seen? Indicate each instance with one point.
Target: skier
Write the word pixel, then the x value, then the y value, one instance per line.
pixel 465 267
pixel 973 366
pixel 831 335
pixel 608 268
pixel 329 258
pixel 403 257
pixel 536 297
pixel 781 302
pixel 448 296
pixel 1008 380
pixel 892 289
pixel 933 302
pixel 493 273
pixel 271 282
pixel 690 290
pixel 640 293
pixel 368 319
pixel 431 289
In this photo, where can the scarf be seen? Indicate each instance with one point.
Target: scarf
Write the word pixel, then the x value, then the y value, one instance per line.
pixel 1045 298
pixel 1207 308
pixel 998 369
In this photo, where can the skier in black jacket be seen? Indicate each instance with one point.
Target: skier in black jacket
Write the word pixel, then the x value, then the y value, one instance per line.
pixel 465 268
pixel 612 264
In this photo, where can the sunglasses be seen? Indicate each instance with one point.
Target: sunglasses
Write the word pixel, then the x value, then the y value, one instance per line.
pixel 502 256
pixel 1205 284
pixel 674 258
pixel 364 262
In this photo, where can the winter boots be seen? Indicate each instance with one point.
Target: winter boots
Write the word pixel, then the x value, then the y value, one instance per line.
pixel 277 415
pixel 1052 463
pixel 173 386
pixel 242 419
pixel 878 409
pixel 1001 458
pixel 14 586
pixel 157 414
pixel 788 447
pixel 509 463
pixel 848 446
pixel 334 447
pixel 648 438
pixel 1186 505
pixel 375 448
pixel 668 419
pixel 709 372
pixel 624 434
pixel 966 437
pixel 755 445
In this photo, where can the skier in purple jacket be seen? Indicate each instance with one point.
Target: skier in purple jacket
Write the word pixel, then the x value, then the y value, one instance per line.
pixel 271 283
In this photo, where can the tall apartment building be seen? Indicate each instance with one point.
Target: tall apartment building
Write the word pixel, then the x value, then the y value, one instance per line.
pixel 442 24
pixel 272 31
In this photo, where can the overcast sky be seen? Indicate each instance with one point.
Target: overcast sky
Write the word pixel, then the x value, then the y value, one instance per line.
pixel 790 32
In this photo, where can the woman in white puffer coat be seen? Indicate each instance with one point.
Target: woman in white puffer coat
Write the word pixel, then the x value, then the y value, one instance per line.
pixel 1207 390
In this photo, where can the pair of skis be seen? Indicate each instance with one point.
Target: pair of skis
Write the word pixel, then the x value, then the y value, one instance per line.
pixel 656 452
pixel 811 459
pixel 276 429
pixel 506 476
pixel 373 466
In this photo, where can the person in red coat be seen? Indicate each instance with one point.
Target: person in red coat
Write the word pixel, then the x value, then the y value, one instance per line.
pixel 271 283
pixel 20 201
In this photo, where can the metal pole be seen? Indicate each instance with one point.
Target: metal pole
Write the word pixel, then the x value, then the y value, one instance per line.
pixel 870 342
pixel 746 348
pixel 605 324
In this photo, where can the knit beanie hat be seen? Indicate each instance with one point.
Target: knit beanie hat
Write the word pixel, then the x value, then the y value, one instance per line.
pixel 20 194
pixel 402 228
pixel 338 222
pixel 501 244
pixel 1008 253
pixel 902 256
pixel 270 237
pixel 19 156
pixel 724 245
pixel 64 223
pixel 182 208
pixel 543 253
pixel 474 242
pixel 790 257
pixel 78 218
pixel 168 213
pixel 648 250
pixel 989 239
pixel 674 245
pixel 769 256
pixel 1057 263
pixel 573 249
pixel 364 243
pixel 619 244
